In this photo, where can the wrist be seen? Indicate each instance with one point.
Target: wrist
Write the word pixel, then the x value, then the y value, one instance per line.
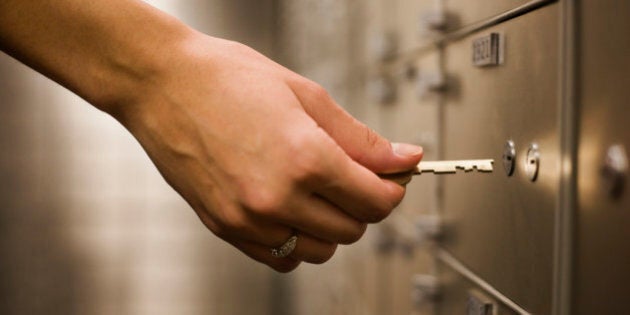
pixel 133 70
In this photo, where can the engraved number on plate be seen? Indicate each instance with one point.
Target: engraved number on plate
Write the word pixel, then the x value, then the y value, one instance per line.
pixel 487 50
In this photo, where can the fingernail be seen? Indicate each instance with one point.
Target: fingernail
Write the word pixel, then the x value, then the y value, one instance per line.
pixel 406 149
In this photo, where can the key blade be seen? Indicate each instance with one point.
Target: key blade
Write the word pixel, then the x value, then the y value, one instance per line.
pixel 445 167
pixel 438 167
pixel 485 165
pixel 441 167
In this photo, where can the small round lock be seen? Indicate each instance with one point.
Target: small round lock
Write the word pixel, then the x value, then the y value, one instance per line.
pixel 532 162
pixel 509 157
pixel 615 170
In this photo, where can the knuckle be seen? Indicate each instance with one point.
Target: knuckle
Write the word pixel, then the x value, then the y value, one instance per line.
pixel 266 202
pixel 306 161
pixel 371 137
pixel 306 166
pixel 372 141
pixel 232 223
pixel 220 223
pixel 316 91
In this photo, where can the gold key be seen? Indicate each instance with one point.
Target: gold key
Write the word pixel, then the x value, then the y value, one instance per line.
pixel 441 167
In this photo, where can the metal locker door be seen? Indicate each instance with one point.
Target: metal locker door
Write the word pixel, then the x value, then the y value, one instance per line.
pixel 412 116
pixel 415 121
pixel 602 258
pixel 500 226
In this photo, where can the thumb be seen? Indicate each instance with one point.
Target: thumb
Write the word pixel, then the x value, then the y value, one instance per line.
pixel 371 150
pixel 361 143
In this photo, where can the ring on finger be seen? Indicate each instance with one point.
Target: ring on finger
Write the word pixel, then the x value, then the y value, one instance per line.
pixel 285 249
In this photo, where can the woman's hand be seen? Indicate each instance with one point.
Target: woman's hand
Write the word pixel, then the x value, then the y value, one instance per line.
pixel 261 153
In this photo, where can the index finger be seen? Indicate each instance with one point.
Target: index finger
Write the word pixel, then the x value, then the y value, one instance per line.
pixel 357 190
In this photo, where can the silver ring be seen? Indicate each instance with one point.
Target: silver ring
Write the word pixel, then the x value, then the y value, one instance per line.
pixel 286 248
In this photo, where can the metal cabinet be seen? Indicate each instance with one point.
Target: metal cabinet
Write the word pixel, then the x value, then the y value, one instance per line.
pixel 501 226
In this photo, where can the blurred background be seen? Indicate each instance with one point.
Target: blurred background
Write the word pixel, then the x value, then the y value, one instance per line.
pixel 88 226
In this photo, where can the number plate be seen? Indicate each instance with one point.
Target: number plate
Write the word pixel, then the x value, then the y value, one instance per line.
pixel 487 50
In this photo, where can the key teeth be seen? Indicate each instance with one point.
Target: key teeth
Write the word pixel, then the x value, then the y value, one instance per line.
pixel 465 168
pixel 483 166
pixel 479 168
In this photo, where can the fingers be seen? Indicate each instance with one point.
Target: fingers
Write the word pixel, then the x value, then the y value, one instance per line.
pixel 361 143
pixel 308 249
pixel 356 190
pixel 236 224
pixel 312 216
pixel 256 237
pixel 316 216
pixel 350 182
pixel 312 250
pixel 262 254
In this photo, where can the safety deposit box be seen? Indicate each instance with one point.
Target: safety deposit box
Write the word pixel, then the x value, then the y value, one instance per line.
pixel 502 103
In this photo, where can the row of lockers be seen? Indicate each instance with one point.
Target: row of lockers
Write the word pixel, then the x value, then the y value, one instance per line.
pixel 504 80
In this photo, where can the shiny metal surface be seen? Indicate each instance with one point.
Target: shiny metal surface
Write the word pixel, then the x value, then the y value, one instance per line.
pixel 412 119
pixel 502 227
pixel 602 258
pixel 615 170
pixel 488 50
pixel 509 157
pixel 426 288
pixel 496 19
pixel 532 162
pixel 336 43
pixel 465 12
pixel 479 304
pixel 456 290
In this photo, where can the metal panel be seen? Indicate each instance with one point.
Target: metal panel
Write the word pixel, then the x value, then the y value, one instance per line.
pixel 414 120
pixel 502 227
pixel 412 117
pixel 602 258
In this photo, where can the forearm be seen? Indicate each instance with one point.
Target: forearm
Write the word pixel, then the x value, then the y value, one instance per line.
pixel 101 50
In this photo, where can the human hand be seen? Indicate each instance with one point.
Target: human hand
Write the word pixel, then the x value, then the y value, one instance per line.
pixel 261 153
